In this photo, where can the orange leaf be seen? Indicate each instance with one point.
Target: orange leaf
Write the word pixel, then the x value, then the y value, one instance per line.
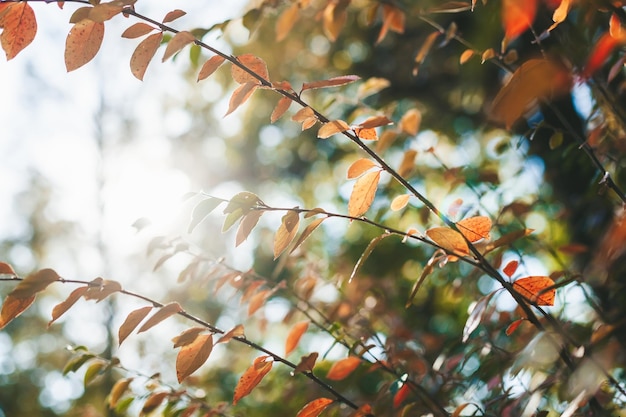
pixel 532 288
pixel 449 240
pixel 560 14
pixel 600 53
pixel 173 15
pixel 34 283
pixel 137 30
pixel 510 268
pixel 366 134
pixel 254 64
pixel 102 289
pixel 335 16
pixel 465 56
pixel 425 49
pixel 13 307
pixel 193 355
pixel 178 42
pixel 517 16
pixel 210 66
pixel 252 377
pixel 236 331
pixel 103 12
pixel 307 232
pixel 286 232
pixel 331 128
pixel 513 326
pixel 144 53
pixel 314 408
pixel 281 107
pixel 240 96
pixel 408 163
pixel 286 20
pixel 19 27
pixel 257 301
pixel 306 116
pixel 118 390
pixel 342 368
pixel 401 395
pixel 363 411
pixel 164 312
pixel 615 27
pixel 394 19
pixel 83 43
pixel 331 82
pixel 62 307
pixel 375 121
pixel 187 336
pixel 410 122
pixel 132 321
pixel 359 167
pixel 293 338
pixel 475 228
pixel 400 202
pixel 363 193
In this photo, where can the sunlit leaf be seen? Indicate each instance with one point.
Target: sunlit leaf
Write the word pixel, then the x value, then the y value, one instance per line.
pixel 476 316
pixel 173 15
pixel 65 305
pixel 331 82
pixel 210 66
pixel 334 18
pixel 281 107
pixel 393 19
pixel 560 13
pixel 307 232
pixel 153 402
pixel 400 202
pixel 424 50
pixel 331 128
pixel 193 355
pixel 248 222
pixel 601 51
pixel 517 16
pixel 257 301
pixel 360 167
pixel 187 336
pixel 510 268
pixel 449 240
pixel 286 20
pixel 342 368
pixel 119 388
pixel 19 27
pixel 99 289
pixel 137 30
pixel 104 11
pixel 12 307
pixel 487 55
pixel 408 163
pixel 293 338
pixel 132 321
pixel 241 95
pixel 465 56
pixel 254 64
pixel 306 116
pixel 93 371
pixel 286 232
pixel 475 228
pixel 410 122
pixel 161 314
pixel 314 408
pixel 34 283
pixel 375 121
pixel 401 395
pixel 372 86
pixel 144 53
pixel 83 43
pixel 236 331
pixel 178 42
pixel 363 193
pixel 533 288
pixel 513 326
pixel 252 377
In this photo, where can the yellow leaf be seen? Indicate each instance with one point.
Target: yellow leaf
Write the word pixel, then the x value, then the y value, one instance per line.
pixel 286 232
pixel 331 128
pixel 475 228
pixel 363 193
pixel 252 377
pixel 449 240
pixel 410 122
pixel 533 289
pixel 193 355
pixel 342 368
pixel 400 202
pixel 210 66
pixel 83 43
pixel 144 53
pixel 132 321
pixel 294 336
pixel 359 167
pixel 178 42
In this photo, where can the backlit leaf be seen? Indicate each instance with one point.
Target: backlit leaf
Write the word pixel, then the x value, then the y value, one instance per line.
pixel 65 305
pixel 366 253
pixel 281 107
pixel 465 56
pixel 532 288
pixel 449 240
pixel 257 301
pixel 119 388
pixel 363 193
pixel 400 202
pixel 307 232
pixel 401 395
pixel 19 27
pixel 248 223
pixel 201 210
pixel 286 20
pixel 513 326
pixel 252 377
pixel 331 128
pixel 178 42
pixel 408 163
pixel 144 53
pixel 560 13
pixel 137 30
pixel 162 313
pixel 517 16
pixel 93 371
pixel 236 331
pixel 254 64
pixel 187 336
pixel 102 289
pixel 475 228
pixel 6 269
pixel 365 133
pixel 372 86
pixel 510 268
pixel 601 51
pixel 375 121
pixel 424 50
pixel 394 19
pixel 240 96
pixel 286 232
pixel 314 408
pixel 193 355
pixel 476 316
pixel 615 27
pixel 410 122
pixel 105 11
pixel 334 18
pixel 331 82
pixel 34 283
pixel 306 116
pixel 132 321
pixel 210 66
pixel 343 367
pixel 293 338
pixel 173 15
pixel 13 307
pixel 360 167
pixel 83 43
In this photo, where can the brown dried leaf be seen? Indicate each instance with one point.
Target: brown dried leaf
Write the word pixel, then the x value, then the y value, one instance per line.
pixel 65 305
pixel 363 193
pixel 236 331
pixel 103 12
pixel 136 30
pixel 164 312
pixel 132 321
pixel 314 408
pixel 19 27
pixel 286 20
pixel 281 107
pixel 286 232
pixel 294 336
pixel 449 240
pixel 475 228
pixel 193 355
pixel 173 15
pixel 252 377
pixel 6 269
pixel 307 232
pixel 178 42
pixel 246 226
pixel 187 336
pixel 342 368
pixel 210 66
pixel 119 388
pixel 144 53
pixel 240 96
pixel 13 307
pixel 34 283
pixel 254 64
pixel 331 82
pixel 83 43
pixel 257 301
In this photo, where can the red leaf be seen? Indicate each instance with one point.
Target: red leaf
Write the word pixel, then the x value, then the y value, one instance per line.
pixel 83 43
pixel 517 16
pixel 19 28
pixel 332 82
pixel 532 288
pixel 510 268
pixel 315 407
pixel 401 395
pixel 513 326
pixel 252 377
pixel 342 368
pixel 600 53
pixel 144 53
pixel 293 338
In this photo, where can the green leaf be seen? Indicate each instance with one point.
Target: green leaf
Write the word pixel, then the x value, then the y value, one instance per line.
pixel 93 371
pixel 231 219
pixel 75 363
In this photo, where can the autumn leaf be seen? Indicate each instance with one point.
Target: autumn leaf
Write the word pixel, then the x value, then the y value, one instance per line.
pixel 334 18
pixel 153 401
pixel 424 50
pixel 375 121
pixel 210 66
pixel 286 232
pixel 65 305
pixel 104 11
pixel 475 228
pixel 19 27
pixel 306 363
pixel 366 253
pixel 254 64
pixel 178 42
pixel 465 56
pixel 34 283
pixel 601 51
pixel 401 395
pixel 513 326
pixel 236 331
pixel 360 167
pixel 293 338
pixel 400 202
pixel 365 133
pixel 252 377
pixel 173 15
pixel 137 30
pixel 449 240
pixel 281 107
pixel 144 53
pixel 533 289
pixel 257 301
pixel 410 122
pixel 162 313
pixel 201 210
pixel 248 222
pixel 510 268
pixel 193 355
pixel 307 232
pixel 517 16
pixel 560 14
pixel 102 290
pixel 6 269
pixel 306 116
pixel 314 408
pixel 286 20
pixel 363 193
pixel 132 321
pixel 187 336
pixel 331 82
pixel 394 19
pixel 408 163
pixel 13 307
pixel 119 388
pixel 342 368
pixel 331 128
pixel 83 43
pixel 241 95
pixel 476 316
